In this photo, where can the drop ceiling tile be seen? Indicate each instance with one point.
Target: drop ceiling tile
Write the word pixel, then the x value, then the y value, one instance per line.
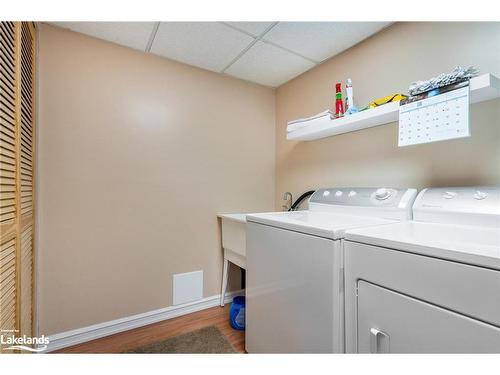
pixel 268 65
pixel 208 45
pixel 254 28
pixel 130 34
pixel 321 40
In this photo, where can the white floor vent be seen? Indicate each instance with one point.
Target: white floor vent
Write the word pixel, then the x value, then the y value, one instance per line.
pixel 188 287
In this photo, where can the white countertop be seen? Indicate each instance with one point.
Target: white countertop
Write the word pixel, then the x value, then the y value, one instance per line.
pixel 462 243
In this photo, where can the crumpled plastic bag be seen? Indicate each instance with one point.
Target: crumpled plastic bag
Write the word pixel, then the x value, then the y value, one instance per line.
pixel 456 75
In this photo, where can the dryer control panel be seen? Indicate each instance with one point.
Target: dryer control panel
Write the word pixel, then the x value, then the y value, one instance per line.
pixel 474 205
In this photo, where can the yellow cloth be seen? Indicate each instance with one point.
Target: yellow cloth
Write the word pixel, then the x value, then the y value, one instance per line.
pixel 386 99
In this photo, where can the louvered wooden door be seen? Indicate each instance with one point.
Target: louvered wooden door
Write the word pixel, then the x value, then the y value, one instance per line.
pixel 17 125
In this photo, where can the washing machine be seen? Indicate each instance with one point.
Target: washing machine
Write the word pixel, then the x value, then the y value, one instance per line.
pixel 429 285
pixel 295 278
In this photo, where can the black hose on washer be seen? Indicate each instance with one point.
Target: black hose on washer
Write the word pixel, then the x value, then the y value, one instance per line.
pixel 300 199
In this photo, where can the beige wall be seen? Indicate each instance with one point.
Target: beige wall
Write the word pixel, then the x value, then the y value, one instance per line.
pixel 383 64
pixel 136 155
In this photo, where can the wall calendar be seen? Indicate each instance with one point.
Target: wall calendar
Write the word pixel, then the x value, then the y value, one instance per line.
pixel 436 115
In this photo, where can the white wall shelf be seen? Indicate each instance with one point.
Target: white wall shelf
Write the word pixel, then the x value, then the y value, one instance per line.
pixel 482 88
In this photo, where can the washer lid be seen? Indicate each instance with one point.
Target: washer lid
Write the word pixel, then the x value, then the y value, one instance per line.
pixel 322 224
pixel 462 243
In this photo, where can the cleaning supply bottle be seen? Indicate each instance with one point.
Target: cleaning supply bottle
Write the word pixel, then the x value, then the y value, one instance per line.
pixel 350 108
pixel 339 105
pixel 237 313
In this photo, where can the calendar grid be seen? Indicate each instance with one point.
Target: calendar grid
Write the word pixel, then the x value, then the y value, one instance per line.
pixel 434 117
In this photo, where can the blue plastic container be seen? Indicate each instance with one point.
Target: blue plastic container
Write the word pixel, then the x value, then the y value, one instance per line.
pixel 237 313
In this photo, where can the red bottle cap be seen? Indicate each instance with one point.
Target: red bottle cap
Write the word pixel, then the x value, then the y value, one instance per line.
pixel 338 87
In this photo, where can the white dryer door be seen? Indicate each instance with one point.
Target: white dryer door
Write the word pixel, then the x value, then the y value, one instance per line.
pixel 389 322
pixel 293 298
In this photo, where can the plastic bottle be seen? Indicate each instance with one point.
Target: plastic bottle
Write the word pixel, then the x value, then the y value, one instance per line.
pixel 350 108
pixel 237 313
pixel 339 105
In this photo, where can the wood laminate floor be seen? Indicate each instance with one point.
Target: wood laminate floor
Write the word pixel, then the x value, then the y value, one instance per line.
pixel 117 343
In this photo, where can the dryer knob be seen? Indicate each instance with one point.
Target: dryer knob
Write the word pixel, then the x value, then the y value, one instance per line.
pixel 449 195
pixel 352 193
pixel 480 195
pixel 382 193
pixel 338 193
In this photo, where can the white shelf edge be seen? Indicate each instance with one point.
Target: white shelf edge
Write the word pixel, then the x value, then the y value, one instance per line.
pixel 482 88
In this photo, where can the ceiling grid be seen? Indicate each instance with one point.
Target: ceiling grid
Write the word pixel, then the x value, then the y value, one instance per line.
pixel 267 53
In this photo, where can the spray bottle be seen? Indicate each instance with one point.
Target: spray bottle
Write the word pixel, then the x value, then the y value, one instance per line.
pixel 350 108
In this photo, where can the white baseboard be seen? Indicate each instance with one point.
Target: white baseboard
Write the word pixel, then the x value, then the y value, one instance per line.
pixel 79 335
